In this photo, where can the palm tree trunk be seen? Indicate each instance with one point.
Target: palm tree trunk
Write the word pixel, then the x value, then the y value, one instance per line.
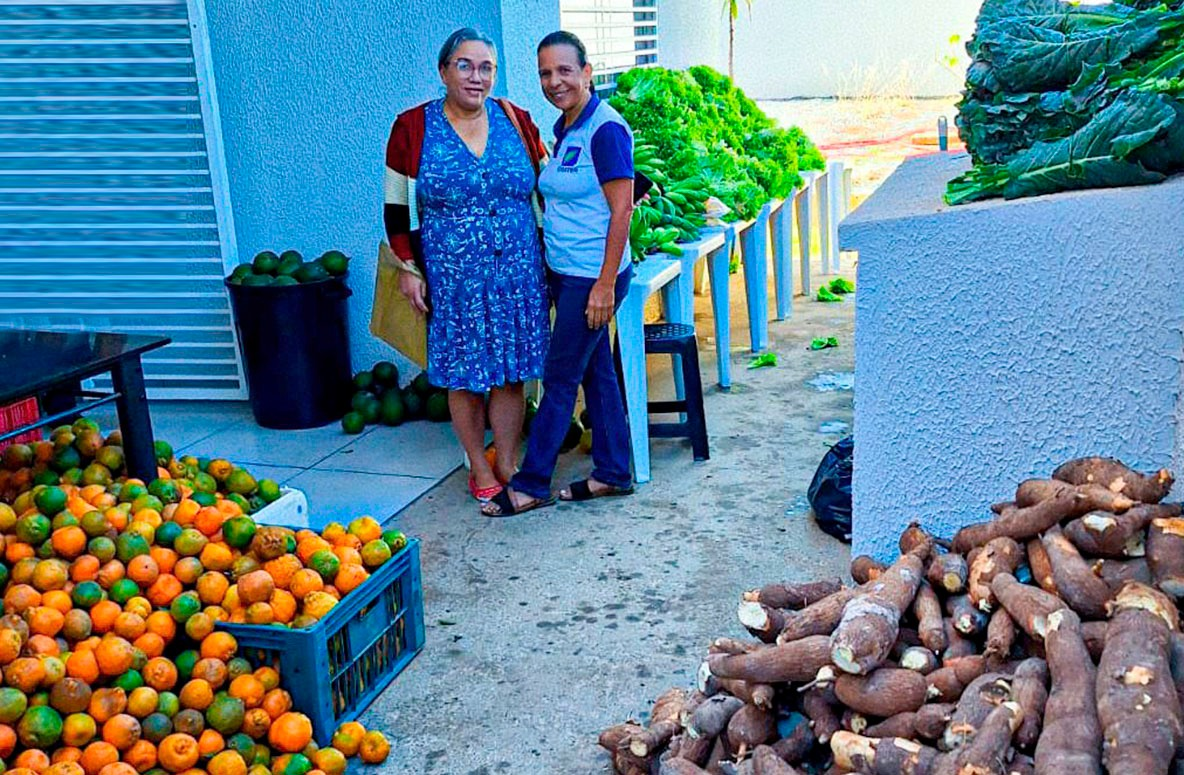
pixel 731 45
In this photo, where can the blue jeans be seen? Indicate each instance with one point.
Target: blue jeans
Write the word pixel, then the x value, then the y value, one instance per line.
pixel 578 355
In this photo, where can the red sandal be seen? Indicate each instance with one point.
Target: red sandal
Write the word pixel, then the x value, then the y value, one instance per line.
pixel 483 494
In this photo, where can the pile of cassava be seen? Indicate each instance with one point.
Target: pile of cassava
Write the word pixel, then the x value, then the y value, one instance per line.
pixel 1045 640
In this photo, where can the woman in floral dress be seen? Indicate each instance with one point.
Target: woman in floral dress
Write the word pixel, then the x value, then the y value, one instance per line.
pixel 462 216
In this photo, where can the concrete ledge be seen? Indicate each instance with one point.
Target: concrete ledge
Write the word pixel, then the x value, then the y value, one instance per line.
pixel 998 339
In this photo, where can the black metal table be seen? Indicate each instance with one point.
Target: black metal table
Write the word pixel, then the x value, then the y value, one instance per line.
pixel 39 363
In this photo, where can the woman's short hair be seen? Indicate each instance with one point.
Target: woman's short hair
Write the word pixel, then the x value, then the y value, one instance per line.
pixel 463 35
pixel 565 38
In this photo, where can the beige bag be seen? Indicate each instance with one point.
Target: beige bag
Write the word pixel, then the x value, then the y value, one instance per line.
pixel 392 318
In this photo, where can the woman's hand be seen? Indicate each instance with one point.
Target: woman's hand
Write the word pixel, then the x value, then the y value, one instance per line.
pixel 416 291
pixel 601 300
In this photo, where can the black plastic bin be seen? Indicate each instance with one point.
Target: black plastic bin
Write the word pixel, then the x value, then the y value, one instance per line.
pixel 295 342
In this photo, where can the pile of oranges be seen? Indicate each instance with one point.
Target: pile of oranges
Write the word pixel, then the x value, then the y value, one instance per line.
pixel 110 658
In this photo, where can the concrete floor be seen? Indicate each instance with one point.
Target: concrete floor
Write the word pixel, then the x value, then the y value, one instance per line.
pixel 546 628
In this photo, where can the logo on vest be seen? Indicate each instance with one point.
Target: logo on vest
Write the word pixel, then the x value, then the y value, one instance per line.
pixel 571 157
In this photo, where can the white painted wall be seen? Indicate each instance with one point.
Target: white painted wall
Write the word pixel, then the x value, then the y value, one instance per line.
pixel 805 48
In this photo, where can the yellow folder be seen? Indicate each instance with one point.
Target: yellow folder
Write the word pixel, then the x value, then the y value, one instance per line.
pixel 392 318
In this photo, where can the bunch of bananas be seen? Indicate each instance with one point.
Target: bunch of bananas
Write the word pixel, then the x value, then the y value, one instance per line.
pixel 673 212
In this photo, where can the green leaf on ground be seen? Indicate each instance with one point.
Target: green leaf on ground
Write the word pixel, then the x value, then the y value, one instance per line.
pixel 824 294
pixel 820 343
pixel 842 285
pixel 763 360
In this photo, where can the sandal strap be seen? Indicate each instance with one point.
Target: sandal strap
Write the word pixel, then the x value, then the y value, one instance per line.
pixel 580 491
pixel 504 503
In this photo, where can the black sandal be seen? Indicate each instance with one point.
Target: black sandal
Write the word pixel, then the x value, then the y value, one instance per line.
pixel 580 491
pixel 506 508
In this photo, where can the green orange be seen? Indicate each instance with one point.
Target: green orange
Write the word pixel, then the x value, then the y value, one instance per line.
pixel 324 562
pixel 239 531
pixel 40 727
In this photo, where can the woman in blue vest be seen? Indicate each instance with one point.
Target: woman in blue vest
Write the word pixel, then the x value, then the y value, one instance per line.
pixel 588 190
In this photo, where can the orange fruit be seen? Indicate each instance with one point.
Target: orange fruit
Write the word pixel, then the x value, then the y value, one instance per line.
pixel 268 676
pixel 349 555
pixel 178 752
pixel 15 551
pixel 282 569
pixel 10 645
pixel 199 626
pixel 212 671
pixel 349 577
pixel 20 597
pixel 259 613
pixel 103 615
pixel 129 626
pixel 211 587
pixel 162 624
pixel 255 587
pixel 219 645
pixel 276 702
pixel 85 568
pixel 118 768
pixel 151 644
pixel 83 665
pixel 142 756
pixel 196 694
pixel 210 742
pixel 98 755
pixel 65 762
pixel 115 656
pixel 160 674
pixel 42 646
pixel 143 570
pixel 32 759
pixel 283 605
pixel 78 729
pixel 304 581
pixel 374 748
pixel 164 589
pixel 329 760
pixel 44 620
pixel 166 559
pixel 185 512
pixel 106 704
pixel 24 673
pixel 256 723
pixel 249 689
pixel 122 731
pixel 290 733
pixel 348 737
pixel 209 520
pixel 216 556
pixel 142 701
pixel 7 741
pixel 70 541
pixel 227 763
pixel 111 572
pixel 138 605
pixel 57 599
pixel 366 529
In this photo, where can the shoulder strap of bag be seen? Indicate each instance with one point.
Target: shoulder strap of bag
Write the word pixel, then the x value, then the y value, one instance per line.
pixel 513 116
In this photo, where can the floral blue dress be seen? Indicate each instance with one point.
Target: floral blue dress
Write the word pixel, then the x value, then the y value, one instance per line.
pixel 489 322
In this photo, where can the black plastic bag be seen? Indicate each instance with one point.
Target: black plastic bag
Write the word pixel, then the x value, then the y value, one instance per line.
pixel 830 491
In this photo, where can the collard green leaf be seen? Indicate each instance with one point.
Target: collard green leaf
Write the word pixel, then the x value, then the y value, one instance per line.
pixel 1026 57
pixel 1098 154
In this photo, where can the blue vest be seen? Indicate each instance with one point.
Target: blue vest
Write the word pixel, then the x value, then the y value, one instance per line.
pixel 575 222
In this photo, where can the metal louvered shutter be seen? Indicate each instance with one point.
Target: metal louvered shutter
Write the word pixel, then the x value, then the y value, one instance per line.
pixel 114 210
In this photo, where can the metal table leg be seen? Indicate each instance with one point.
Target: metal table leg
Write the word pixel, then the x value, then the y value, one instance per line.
pixel 127 377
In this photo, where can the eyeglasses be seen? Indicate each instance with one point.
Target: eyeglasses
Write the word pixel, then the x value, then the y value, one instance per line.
pixel 465 67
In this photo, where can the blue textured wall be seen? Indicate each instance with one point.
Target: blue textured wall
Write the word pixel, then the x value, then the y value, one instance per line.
pixel 308 92
pixel 997 340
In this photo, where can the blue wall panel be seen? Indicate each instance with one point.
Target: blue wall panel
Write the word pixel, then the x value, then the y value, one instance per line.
pixel 307 93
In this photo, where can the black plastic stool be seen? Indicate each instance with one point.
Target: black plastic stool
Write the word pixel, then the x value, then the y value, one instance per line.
pixel 679 339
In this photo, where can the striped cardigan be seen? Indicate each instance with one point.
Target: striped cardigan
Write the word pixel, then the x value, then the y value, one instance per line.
pixel 403 151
